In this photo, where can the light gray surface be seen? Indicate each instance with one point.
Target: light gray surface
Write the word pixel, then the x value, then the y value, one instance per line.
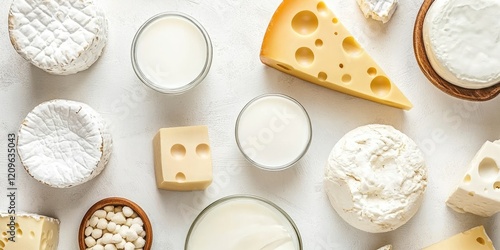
pixel 449 131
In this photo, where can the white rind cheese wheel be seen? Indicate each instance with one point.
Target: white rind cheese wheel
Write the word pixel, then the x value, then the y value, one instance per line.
pixel 61 37
pixel 375 178
pixel 461 41
pixel 64 143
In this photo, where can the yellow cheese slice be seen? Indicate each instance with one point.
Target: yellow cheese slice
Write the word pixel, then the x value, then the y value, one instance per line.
pixel 473 239
pixel 306 39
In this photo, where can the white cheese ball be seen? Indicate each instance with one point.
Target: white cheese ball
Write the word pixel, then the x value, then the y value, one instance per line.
pixel 139 243
pixel 64 143
pixel 131 235
pixel 111 227
pixel 138 220
pixel 110 215
pixel 110 247
pixel 375 178
pixel 102 223
pixel 121 245
pixel 127 211
pixel 100 214
pixel 90 242
pixel 97 233
pixel 109 208
pixel 119 219
pixel 129 246
pixel 137 228
pixel 98 247
pixel 93 221
pixel 88 231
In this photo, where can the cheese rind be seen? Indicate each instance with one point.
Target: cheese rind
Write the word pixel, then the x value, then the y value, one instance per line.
pixel 461 41
pixel 64 143
pixel 479 191
pixel 380 10
pixel 475 238
pixel 375 178
pixel 58 36
pixel 305 39
pixel 30 231
pixel 182 158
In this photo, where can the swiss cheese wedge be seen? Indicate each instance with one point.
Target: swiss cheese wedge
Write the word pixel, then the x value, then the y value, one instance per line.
pixel 305 39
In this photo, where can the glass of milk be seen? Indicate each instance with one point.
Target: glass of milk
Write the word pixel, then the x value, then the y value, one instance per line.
pixel 243 222
pixel 273 131
pixel 171 53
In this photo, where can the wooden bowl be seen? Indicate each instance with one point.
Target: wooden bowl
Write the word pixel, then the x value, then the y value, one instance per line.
pixel 116 201
pixel 445 86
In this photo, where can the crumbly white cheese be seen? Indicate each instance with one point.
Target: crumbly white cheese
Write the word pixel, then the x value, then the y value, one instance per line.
pixel 479 191
pixel 375 178
pixel 59 36
pixel 64 143
pixel 380 10
pixel 462 41
pixel 386 247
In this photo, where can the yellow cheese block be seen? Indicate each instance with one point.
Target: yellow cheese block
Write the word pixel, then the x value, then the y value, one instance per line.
pixel 306 39
pixel 182 160
pixel 28 232
pixel 473 239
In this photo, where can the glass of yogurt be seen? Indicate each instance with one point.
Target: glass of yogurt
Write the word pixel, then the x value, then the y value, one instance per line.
pixel 243 222
pixel 171 53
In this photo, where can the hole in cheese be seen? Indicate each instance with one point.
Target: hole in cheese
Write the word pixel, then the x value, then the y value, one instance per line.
pixel 203 151
pixel 480 240
pixel 304 56
pixel 346 78
pixel 178 151
pixel 180 177
pixel 336 33
pixel 372 71
pixel 2 244
pixel 305 22
pixel 351 46
pixel 322 76
pixel 32 234
pixel 496 186
pixel 19 232
pixel 472 193
pixel 380 86
pixel 322 9
pixel 488 169
pixel 335 20
pixel 341 66
pixel 467 179
pixel 319 43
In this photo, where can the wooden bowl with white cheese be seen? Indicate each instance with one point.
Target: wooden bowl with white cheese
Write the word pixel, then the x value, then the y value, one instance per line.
pixel 136 235
pixel 480 94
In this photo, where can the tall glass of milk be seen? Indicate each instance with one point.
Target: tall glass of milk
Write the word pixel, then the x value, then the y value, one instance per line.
pixel 273 131
pixel 245 223
pixel 171 53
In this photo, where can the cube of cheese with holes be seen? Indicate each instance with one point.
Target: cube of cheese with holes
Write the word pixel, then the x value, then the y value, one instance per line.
pixel 473 239
pixel 479 191
pixel 183 160
pixel 28 232
pixel 305 39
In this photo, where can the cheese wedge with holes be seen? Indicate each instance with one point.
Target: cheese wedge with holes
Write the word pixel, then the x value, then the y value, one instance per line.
pixel 473 239
pixel 183 161
pixel 28 232
pixel 479 191
pixel 305 39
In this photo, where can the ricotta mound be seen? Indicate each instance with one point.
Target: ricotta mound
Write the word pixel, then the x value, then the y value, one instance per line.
pixel 375 178
pixel 64 143
pixel 462 41
pixel 58 36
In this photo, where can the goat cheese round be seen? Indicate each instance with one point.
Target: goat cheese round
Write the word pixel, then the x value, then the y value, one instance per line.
pixel 462 42
pixel 375 178
pixel 61 37
pixel 64 143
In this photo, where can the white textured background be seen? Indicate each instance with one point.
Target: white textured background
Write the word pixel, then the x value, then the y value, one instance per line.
pixel 450 131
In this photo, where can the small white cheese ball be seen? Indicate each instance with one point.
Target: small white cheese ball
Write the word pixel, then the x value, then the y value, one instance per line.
pixel 99 241
pixel 109 208
pixel 143 234
pixel 139 243
pixel 100 214
pixel 121 245
pixel 119 219
pixel 129 222
pixel 102 223
pixel 96 233
pixel 117 238
pixel 129 246
pixel 138 220
pixel 117 229
pixel 107 238
pixel 375 178
pixel 110 247
pixel 131 235
pixel 137 228
pixel 110 215
pixel 111 227
pixel 88 231
pixel 90 242
pixel 127 211
pixel 123 231
pixel 98 247
pixel 93 221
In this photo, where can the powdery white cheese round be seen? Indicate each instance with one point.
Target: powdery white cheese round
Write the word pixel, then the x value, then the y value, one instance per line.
pixel 375 178
pixel 461 39
pixel 58 36
pixel 64 143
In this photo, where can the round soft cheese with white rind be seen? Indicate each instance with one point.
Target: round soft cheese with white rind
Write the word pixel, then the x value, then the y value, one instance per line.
pixel 61 37
pixel 375 178
pixel 64 143
pixel 461 39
